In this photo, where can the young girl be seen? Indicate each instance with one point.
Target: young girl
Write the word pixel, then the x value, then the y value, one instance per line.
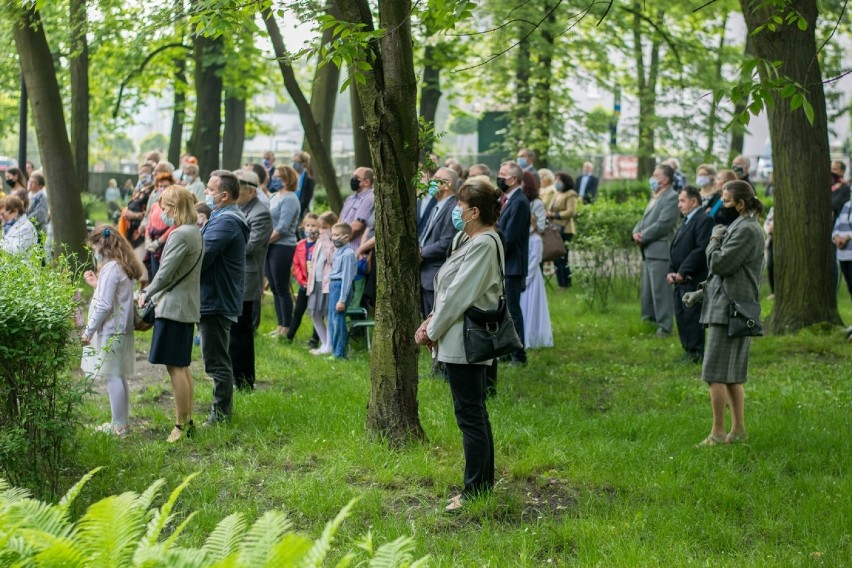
pixel 108 336
pixel 318 281
pixel 302 261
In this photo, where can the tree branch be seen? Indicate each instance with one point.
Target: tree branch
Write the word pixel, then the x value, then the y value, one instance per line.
pixel 142 68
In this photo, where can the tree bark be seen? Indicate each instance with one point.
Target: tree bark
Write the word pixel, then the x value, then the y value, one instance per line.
pixel 323 165
pixel 430 92
pixel 805 288
pixel 647 87
pixel 713 113
pixel 360 143
pixel 235 132
pixel 206 127
pixel 324 92
pixel 69 223
pixel 79 63
pixel 541 115
pixel 178 113
pixel 738 130
pixel 390 118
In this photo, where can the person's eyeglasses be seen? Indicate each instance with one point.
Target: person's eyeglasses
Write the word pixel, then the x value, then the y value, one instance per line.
pixel 442 181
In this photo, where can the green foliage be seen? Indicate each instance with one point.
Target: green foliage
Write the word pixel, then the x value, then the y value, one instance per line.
pixel 125 530
pixel 621 191
pixel 38 395
pixel 154 141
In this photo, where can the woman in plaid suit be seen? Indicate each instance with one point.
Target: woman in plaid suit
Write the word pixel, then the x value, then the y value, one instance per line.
pixel 735 259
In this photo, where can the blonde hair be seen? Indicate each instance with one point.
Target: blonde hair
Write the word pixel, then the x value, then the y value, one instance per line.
pixel 328 218
pixel 288 176
pixel 546 176
pixel 344 228
pixel 182 202
pixel 311 216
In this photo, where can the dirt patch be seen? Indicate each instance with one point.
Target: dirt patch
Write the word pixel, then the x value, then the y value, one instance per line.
pixel 549 497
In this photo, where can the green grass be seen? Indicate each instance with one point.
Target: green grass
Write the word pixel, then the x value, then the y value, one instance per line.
pixel 594 453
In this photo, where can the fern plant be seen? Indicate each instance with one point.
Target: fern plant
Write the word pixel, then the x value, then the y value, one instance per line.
pixel 125 530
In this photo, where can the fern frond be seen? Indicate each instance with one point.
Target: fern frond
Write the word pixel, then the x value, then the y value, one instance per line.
pixel 32 514
pixel 263 535
pixel 421 562
pixel 110 529
pixel 319 550
pixel 177 532
pixel 290 551
pixel 225 538
pixel 59 552
pixel 147 497
pixel 346 561
pixel 162 516
pixel 67 499
pixel 9 495
pixel 394 554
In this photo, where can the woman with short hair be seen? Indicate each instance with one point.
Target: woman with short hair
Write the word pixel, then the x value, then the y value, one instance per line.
pixel 19 234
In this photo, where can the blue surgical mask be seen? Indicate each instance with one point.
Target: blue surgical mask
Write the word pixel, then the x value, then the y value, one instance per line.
pixel 98 258
pixel 210 200
pixel 458 222
pixel 655 185
pixel 701 181
pixel 275 184
pixel 298 166
pixel 560 187
pixel 188 179
pixel 168 221
pixel 433 188
pixel 522 162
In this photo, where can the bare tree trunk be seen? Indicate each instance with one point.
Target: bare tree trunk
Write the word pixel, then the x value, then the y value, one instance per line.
pixel 324 92
pixel 69 223
pixel 542 73
pixel 178 113
pixel 647 87
pixel 359 134
pixel 738 130
pixel 805 288
pixel 206 127
pixel 323 165
pixel 235 132
pixel 390 117
pixel 713 113
pixel 79 63
pixel 430 91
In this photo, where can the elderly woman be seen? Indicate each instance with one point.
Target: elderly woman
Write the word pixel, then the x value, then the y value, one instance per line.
pixel 19 234
pixel 548 187
pixel 471 276
pixel 176 293
pixel 561 211
pixel 285 210
pixel 735 259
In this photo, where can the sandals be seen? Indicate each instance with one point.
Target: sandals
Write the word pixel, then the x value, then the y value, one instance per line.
pixel 733 438
pixel 108 428
pixel 711 441
pixel 455 505
pixel 181 431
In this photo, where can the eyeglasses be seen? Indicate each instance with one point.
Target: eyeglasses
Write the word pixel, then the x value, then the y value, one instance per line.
pixel 439 180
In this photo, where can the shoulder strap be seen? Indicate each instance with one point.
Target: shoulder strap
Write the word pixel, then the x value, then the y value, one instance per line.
pixel 499 264
pixel 179 280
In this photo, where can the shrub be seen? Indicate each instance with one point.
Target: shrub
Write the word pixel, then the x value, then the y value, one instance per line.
pixel 622 191
pixel 124 530
pixel 38 395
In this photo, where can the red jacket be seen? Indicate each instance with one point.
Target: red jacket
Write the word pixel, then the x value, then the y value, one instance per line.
pixel 300 263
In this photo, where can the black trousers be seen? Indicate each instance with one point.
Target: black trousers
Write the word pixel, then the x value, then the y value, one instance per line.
pixel 770 266
pixel 215 332
pixel 563 271
pixel 241 348
pixel 298 313
pixel 427 301
pixel 279 265
pixel 846 270
pixel 690 330
pixel 467 384
pixel 514 286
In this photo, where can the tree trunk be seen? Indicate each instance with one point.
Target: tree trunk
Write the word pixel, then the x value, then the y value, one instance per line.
pixel 359 134
pixel 805 288
pixel 66 207
pixel 430 92
pixel 79 63
pixel 390 115
pixel 235 132
pixel 647 87
pixel 738 130
pixel 542 75
pixel 712 114
pixel 178 112
pixel 323 166
pixel 324 92
pixel 206 127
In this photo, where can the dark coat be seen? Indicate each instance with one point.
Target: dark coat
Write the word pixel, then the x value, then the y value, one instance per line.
pixel 306 194
pixel 422 219
pixel 223 268
pixel 514 225
pixel 436 242
pixel 260 227
pixel 591 188
pixel 688 257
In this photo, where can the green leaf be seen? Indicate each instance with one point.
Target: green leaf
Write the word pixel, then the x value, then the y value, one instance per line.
pixel 796 101
pixel 788 91
pixel 809 110
pixel 803 24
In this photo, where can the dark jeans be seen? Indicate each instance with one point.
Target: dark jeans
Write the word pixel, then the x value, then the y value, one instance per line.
pixel 279 262
pixel 770 266
pixel 298 313
pixel 427 301
pixel 215 335
pixel 467 384
pixel 514 286
pixel 241 348
pixel 690 330
pixel 563 271
pixel 846 270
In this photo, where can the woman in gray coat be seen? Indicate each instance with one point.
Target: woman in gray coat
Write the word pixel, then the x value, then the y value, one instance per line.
pixel 176 293
pixel 735 259
pixel 469 277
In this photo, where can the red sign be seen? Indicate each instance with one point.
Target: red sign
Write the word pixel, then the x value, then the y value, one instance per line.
pixel 620 167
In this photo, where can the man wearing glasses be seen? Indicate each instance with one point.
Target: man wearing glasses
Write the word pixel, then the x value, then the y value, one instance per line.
pixel 437 234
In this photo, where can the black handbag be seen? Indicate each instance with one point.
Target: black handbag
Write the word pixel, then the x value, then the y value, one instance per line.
pixel 743 317
pixel 145 315
pixel 489 334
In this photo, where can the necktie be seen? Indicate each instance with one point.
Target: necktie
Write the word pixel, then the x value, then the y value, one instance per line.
pixel 503 200
pixel 428 226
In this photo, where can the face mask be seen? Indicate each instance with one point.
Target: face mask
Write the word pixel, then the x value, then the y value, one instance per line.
pixel 146 179
pixel 98 258
pixel 338 242
pixel 168 221
pixel 188 179
pixel 701 181
pixel 836 177
pixel 522 162
pixel 298 166
pixel 354 183
pixel 655 185
pixel 501 183
pixel 276 184
pixel 458 222
pixel 560 187
pixel 210 200
pixel 739 170
pixel 433 188
pixel 729 214
pixel 267 163
pixel 10 182
pixel 312 235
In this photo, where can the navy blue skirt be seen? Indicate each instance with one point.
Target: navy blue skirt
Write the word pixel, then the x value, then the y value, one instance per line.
pixel 172 343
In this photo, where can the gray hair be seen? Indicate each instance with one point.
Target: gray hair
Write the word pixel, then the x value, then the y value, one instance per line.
pixel 481 170
pixel 247 178
pixel 450 175
pixel 514 170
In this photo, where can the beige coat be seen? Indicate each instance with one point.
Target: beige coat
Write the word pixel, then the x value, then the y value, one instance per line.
pixel 564 207
pixel 181 253
pixel 470 277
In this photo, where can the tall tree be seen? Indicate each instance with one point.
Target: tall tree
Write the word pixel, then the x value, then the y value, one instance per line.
pixel 67 217
pixel 206 135
pixel 235 130
pixel 360 142
pixel 178 111
pixel 738 129
pixel 805 287
pixel 646 83
pixel 79 63
pixel 390 119
pixel 324 90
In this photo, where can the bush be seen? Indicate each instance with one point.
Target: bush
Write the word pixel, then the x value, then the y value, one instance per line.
pixel 621 191
pixel 38 394
pixel 608 258
pixel 124 530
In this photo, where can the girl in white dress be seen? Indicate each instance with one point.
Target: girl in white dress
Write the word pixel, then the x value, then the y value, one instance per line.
pixel 537 330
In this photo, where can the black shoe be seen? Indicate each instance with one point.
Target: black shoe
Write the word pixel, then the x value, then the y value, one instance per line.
pixel 190 429
pixel 313 344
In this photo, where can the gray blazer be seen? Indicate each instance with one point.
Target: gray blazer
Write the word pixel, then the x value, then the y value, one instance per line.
pixel 260 227
pixel 183 303
pixel 738 260
pixel 658 225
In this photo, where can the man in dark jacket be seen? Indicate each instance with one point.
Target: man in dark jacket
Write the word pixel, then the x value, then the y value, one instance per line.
pixel 437 234
pixel 222 285
pixel 688 268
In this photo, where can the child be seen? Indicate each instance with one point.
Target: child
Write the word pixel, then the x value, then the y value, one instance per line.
pixel 340 288
pixel 108 336
pixel 203 212
pixel 302 260
pixel 537 330
pixel 318 282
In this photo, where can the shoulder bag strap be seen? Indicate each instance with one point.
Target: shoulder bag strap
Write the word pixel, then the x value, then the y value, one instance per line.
pixel 499 264
pixel 179 280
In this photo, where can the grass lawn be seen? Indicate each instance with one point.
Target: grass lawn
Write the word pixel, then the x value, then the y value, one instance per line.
pixel 595 453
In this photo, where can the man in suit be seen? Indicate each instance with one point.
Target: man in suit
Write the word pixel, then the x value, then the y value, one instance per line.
pixel 437 234
pixel 653 234
pixel 688 268
pixel 241 344
pixel 514 226
pixel 587 185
